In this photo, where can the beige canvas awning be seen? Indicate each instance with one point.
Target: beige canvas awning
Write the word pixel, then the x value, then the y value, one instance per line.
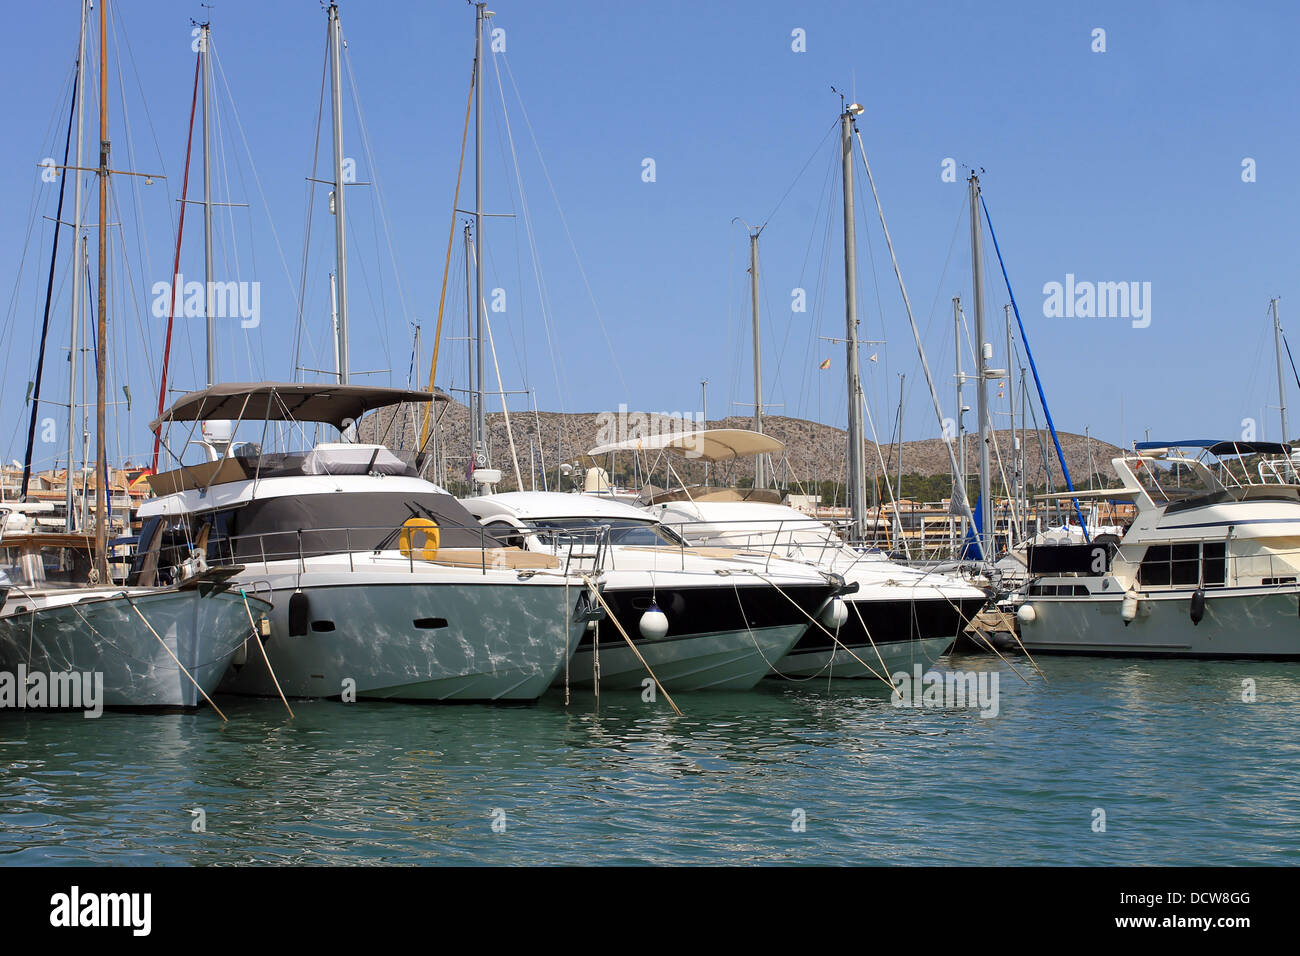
pixel 709 444
pixel 287 401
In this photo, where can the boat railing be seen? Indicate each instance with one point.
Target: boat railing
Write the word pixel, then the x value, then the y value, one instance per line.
pixel 475 547
pixel 805 538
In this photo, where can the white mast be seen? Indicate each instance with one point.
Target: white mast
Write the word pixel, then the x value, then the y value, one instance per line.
pixel 984 535
pixel 209 297
pixel 760 469
pixel 857 487
pixel 478 421
pixel 1281 382
pixel 340 233
pixel 74 343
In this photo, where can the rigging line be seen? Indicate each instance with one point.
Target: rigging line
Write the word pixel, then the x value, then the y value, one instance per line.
pixel 49 293
pixel 938 292
pixel 446 268
pixel 963 503
pixel 176 263
pixel 534 253
pixel 1065 469
pixel 144 261
pixel 1293 368
pixel 565 222
pixel 799 175
pixel 311 198
pixel 252 165
pixel 377 203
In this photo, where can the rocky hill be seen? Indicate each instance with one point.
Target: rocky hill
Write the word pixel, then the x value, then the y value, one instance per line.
pixel 814 452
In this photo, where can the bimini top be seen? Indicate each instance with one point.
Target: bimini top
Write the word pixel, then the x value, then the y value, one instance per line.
pixel 709 444
pixel 1219 447
pixel 288 401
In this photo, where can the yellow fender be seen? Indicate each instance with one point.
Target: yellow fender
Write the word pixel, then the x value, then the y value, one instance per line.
pixel 427 530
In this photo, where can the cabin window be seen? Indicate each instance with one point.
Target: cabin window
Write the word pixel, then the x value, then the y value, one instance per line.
pixel 1184 565
pixel 219 549
pixel 1215 563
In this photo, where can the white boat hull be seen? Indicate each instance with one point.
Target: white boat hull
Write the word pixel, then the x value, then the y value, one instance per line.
pixel 396 638
pixel 1238 623
pixel 96 631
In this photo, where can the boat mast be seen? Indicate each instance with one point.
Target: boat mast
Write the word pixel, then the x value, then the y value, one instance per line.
pixel 478 419
pixel 1014 490
pixel 1281 382
pixel 760 469
pixel 334 320
pixel 208 297
pixel 340 233
pixel 984 534
pixel 74 350
pixel 469 339
pixel 857 490
pixel 101 317
pixel 961 381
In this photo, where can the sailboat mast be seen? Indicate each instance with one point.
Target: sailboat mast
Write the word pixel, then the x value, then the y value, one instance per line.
pixel 760 470
pixel 1281 382
pixel 984 534
pixel 857 489
pixel 961 381
pixel 101 318
pixel 74 344
pixel 478 427
pixel 469 344
pixel 208 296
pixel 340 232
pixel 1011 427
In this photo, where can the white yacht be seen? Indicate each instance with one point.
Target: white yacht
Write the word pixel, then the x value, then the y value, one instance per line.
pixel 702 619
pixel 897 616
pixel 151 647
pixel 1209 567
pixel 384 586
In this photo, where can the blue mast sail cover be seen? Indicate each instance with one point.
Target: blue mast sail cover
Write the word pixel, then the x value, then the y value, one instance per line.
pixel 970 547
pixel 1047 412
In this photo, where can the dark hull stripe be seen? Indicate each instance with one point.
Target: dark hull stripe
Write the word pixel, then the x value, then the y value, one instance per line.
pixel 896 622
pixel 693 612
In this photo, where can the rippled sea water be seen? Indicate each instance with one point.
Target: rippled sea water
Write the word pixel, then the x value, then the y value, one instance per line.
pixel 1186 772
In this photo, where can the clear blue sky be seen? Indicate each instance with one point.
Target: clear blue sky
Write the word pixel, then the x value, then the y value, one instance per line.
pixel 1115 166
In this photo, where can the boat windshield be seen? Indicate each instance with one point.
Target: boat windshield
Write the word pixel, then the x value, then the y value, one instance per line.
pixel 622 531
pixel 1173 479
pixel 48 567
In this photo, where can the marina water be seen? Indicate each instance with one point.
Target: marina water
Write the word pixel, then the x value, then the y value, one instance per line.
pixel 1184 770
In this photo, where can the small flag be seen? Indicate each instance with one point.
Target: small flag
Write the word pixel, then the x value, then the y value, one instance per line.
pixel 825 365
pixel 873 356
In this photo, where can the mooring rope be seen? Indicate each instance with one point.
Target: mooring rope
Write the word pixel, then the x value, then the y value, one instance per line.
pixel 608 610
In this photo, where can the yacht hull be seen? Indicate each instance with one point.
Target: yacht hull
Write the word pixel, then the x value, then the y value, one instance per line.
pixel 719 638
pixel 901 632
pixel 386 639
pixel 723 660
pixel 97 631
pixel 1238 623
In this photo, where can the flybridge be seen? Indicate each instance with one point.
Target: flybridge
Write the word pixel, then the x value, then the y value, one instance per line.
pixel 287 401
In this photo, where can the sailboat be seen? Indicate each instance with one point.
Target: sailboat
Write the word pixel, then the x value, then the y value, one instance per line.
pixel 897 614
pixel 384 586
pixel 63 614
